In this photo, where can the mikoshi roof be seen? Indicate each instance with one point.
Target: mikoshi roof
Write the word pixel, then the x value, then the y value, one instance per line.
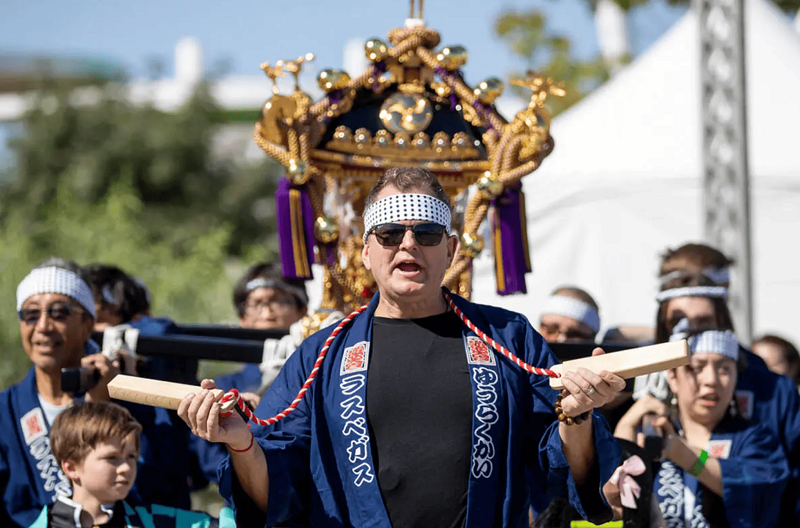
pixel 411 107
pixel 625 182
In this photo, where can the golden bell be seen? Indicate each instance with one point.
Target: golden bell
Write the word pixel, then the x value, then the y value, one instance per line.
pixel 342 133
pixel 471 244
pixel 489 186
pixel 452 57
pixel 376 50
pixel 298 172
pixel 326 230
pixel 421 141
pixel 382 138
pixel 441 142
pixel 330 80
pixel 489 90
pixel 362 137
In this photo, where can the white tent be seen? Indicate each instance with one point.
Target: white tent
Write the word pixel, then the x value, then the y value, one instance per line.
pixel 624 181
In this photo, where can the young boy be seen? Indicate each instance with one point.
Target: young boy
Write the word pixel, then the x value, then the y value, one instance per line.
pixel 97 445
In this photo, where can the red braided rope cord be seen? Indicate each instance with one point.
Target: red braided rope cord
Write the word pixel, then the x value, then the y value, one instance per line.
pixel 497 346
pixel 234 394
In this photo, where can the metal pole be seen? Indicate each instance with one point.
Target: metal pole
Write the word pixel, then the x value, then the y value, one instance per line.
pixel 726 185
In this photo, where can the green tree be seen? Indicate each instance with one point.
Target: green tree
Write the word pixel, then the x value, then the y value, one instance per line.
pixel 527 35
pixel 192 285
pixel 87 147
pixel 115 183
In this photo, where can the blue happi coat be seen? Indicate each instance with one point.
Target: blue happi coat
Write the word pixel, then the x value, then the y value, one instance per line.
pixel 30 477
pixel 773 401
pixel 754 476
pixel 320 461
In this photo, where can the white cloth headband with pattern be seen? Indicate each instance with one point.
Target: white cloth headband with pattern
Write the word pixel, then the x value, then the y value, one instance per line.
pixel 261 282
pixel 716 275
pixel 712 292
pixel 710 341
pixel 55 280
pixel 577 309
pixel 410 206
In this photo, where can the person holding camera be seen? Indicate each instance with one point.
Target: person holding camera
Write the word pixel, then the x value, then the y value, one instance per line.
pixel 714 467
pixel 56 313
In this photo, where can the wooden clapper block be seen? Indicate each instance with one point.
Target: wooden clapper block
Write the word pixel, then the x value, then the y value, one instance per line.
pixel 626 364
pixel 157 393
pixel 629 363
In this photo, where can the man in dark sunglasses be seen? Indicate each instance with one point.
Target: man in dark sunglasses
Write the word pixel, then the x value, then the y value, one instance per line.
pixel 414 419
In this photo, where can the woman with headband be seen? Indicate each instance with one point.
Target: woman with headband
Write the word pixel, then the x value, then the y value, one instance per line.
pixel 761 395
pixel 716 468
pixel 412 418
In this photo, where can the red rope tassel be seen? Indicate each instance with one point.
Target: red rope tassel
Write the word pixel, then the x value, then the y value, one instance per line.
pixel 234 394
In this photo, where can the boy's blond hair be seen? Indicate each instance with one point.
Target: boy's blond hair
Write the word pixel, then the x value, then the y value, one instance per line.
pixel 79 429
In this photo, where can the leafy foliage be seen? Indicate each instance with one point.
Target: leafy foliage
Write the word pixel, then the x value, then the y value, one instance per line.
pixel 788 6
pixel 114 183
pixel 528 37
pixel 167 157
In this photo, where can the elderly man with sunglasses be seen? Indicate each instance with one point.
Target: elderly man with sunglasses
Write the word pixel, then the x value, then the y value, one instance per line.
pixel 414 419
pixel 56 314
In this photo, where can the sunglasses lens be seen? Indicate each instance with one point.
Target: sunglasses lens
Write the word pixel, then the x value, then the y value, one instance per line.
pixel 392 234
pixel 56 312
pixel 29 316
pixel 389 234
pixel 428 234
pixel 59 312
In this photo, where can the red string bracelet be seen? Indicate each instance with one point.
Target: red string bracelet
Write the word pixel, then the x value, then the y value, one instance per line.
pixel 248 448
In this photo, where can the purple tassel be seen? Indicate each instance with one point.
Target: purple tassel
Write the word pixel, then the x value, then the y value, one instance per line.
pixel 510 239
pixel 295 230
pixel 332 253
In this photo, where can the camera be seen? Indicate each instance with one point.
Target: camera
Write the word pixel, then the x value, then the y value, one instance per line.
pixel 80 380
pixel 653 441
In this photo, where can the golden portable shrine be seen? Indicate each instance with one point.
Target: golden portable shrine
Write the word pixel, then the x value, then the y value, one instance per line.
pixel 411 107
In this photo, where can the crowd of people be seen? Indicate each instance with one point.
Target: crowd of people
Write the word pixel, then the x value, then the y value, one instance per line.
pixel 456 427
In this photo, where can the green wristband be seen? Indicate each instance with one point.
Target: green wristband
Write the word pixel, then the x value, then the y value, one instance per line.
pixel 699 464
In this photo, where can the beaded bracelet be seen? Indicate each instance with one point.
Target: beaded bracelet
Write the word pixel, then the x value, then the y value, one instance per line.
pixel 562 416
pixel 699 464
pixel 245 450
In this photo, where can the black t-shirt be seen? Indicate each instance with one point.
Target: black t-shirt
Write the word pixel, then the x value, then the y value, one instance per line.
pixel 419 408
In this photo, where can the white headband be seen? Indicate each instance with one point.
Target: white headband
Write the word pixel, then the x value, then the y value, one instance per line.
pixel 261 282
pixel 710 341
pixel 409 206
pixel 712 292
pixel 716 275
pixel 577 309
pixel 55 280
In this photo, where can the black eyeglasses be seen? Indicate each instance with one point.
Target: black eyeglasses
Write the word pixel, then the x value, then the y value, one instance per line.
pixel 389 235
pixel 57 312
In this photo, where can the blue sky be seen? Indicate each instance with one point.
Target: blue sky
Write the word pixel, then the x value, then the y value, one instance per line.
pixel 247 32
pixel 244 33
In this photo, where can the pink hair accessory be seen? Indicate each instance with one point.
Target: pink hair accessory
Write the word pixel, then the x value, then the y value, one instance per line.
pixel 629 490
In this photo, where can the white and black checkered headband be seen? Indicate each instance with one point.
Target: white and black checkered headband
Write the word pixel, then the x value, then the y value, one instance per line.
pixel 574 308
pixel 716 275
pixel 411 206
pixel 710 341
pixel 55 280
pixel 261 282
pixel 712 292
